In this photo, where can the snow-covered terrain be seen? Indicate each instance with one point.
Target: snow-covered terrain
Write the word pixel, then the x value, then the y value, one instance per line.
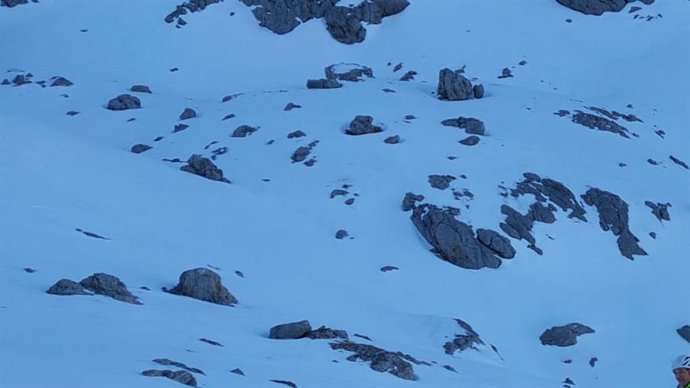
pixel 271 233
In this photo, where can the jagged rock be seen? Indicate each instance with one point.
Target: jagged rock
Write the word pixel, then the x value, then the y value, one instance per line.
pixel 361 125
pixel 440 182
pixel 564 335
pixel 344 26
pixel 679 162
pixel 471 125
pixel 326 333
pixel 660 210
pixel 341 234
pixel 453 86
pixel 600 123
pixel 180 127
pixel 300 154
pixel 285 382
pixel 21 79
pixel 597 7
pixel 684 332
pixel 546 189
pixel 290 106
pixel 614 115
pixel 198 165
pixel 237 371
pixel 67 287
pixel 191 6
pixel 166 362
pixel 348 72
pixel 392 140
pixel 188 113
pixel 61 81
pixel 497 243
pixel 397 364
pixel 470 140
pixel 203 284
pixel 409 201
pixel 140 89
pixel 506 73
pixel 243 131
pixel 293 330
pixel 139 148
pixel 323 84
pixel 469 340
pixel 409 76
pixel 452 240
pixel 110 286
pixel 613 216
pixel 296 134
pixel 124 102
pixel 181 376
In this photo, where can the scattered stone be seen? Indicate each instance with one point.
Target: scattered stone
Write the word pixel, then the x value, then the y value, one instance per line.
pixel 174 69
pixel 409 202
pixel 158 138
pixel 453 86
pixel 181 376
pixel 293 330
pixel 349 201
pixel 230 116
pixel 597 7
pixel 191 6
pixel 231 97
pixel 67 287
pixel 660 210
pixel 362 336
pixel 568 361
pixel 564 335
pixel 410 117
pixel 679 162
pixel 188 113
pixel 21 79
pixel 124 102
pixel 478 91
pixel 593 361
pixel 397 67
pixel 389 268
pixel 600 123
pixel 409 76
pixel 450 368
pixel 61 81
pixel 180 127
pixel 203 284
pixel 243 131
pixel 240 274
pixel 522 63
pixel 661 133
pixel 397 364
pixel 285 382
pixel 110 286
pixel 326 333
pixel 29 270
pixel 469 340
pixel 210 342
pixel 546 189
pixel 470 140
pixel 140 89
pixel 652 162
pixel 351 72
pixel 290 106
pixel 341 234
pixel 323 84
pixel 652 235
pixel 506 73
pixel 296 134
pixel 310 162
pixel 684 332
pixel 568 381
pixel 5 82
pixel 237 371
pixel 362 125
pixel 300 154
pixel 387 90
pixel 337 192
pixel 72 113
pixel 562 113
pixel 139 148
pixel 613 216
pixel 471 125
pixel 166 362
pixel 441 182
pixel 198 165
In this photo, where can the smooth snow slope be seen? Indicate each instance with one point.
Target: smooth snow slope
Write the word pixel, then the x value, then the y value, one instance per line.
pixel 60 173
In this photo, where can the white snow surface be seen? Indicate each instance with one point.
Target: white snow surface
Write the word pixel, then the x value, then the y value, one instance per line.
pixel 276 223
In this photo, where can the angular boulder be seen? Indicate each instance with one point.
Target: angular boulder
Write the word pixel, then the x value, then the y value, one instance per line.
pixel 110 286
pixel 124 102
pixel 362 125
pixel 564 335
pixel 203 284
pixel 198 165
pixel 67 287
pixel 293 330
pixel 453 86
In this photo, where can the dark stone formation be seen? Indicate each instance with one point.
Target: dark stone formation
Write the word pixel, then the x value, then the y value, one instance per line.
pixel 67 287
pixel 469 340
pixel 440 182
pixel 506 73
pixel 181 376
pixel 285 382
pixel 61 81
pixel 110 286
pixel 453 240
pixel 660 210
pixel 166 362
pixel 203 284
pixel 613 115
pixel 564 335
pixel 470 140
pixel 323 84
pixel 300 154
pixel 188 113
pixel 237 371
pixel 498 244
pixel 139 148
pixel 684 332
pixel 341 234
pixel 562 113
pixel 546 189
pixel 613 216
pixel 355 72
pixel 453 86
pixel 324 332
pixel 21 79
pixel 397 364
pixel 471 125
pixel 211 342
pixel 409 76
pixel 337 192
pixel 679 162
pixel 598 7
pixel 296 134
pixel 180 127
pixel 392 140
pixel 409 201
pixel 362 125
pixel 243 131
pixel 124 102
pixel 293 330
pixel 191 6
pixel 478 91
pixel 290 106
pixel 600 123
pixel 388 268
pixel 198 165
pixel 140 89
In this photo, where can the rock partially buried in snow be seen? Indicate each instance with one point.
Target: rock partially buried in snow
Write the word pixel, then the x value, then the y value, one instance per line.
pixel 198 165
pixel 61 81
pixel 564 335
pixel 397 364
pixel 362 125
pixel 470 140
pixel 109 285
pixel 187 114
pixel 67 287
pixel 469 340
pixel 140 89
pixel 348 72
pixel 124 102
pixel 684 332
pixel 203 284
pixel 323 84
pixel 471 125
pixel 598 7
pixel 243 131
pixel 181 376
pixel 453 86
pixel 293 330
pixel 139 148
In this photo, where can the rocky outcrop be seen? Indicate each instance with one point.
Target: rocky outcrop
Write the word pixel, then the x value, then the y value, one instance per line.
pixel 598 7
pixel 410 201
pixel 293 330
pixel 110 286
pixel 181 376
pixel 203 284
pixel 613 216
pixel 469 340
pixel 471 125
pixel 395 363
pixel 189 6
pixel 344 26
pixel 684 332
pixel 323 83
pixel 660 210
pixel 453 86
pixel 67 287
pixel 124 102
pixel 348 72
pixel 198 165
pixel 599 123
pixel 362 125
pixel 441 182
pixel 564 335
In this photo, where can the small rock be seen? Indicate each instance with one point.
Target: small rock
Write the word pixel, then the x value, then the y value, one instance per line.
pixel 293 330
pixel 285 382
pixel 230 116
pixel 188 113
pixel 470 141
pixel 124 102
pixel 181 376
pixel 323 84
pixel 29 270
pixel 362 125
pixel 198 165
pixel 409 76
pixel 210 342
pixel 243 131
pixel 139 148
pixel 593 361
pixel 341 234
pixel 349 201
pixel 389 268
pixel 684 332
pixel 72 113
pixel 296 134
pixel 61 81
pixel 140 89
pixel 166 362
pixel 290 106
pixel 67 287
pixel 237 371
pixel 392 140
pixel 522 63
pixel 440 182
pixel 506 73
pixel 410 117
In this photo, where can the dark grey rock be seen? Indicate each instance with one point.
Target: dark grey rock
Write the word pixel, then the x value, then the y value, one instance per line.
pixel 300 154
pixel 243 131
pixel 198 165
pixel 61 81
pixel 593 361
pixel 139 148
pixel 388 268
pixel 341 234
pixel 391 7
pixel 564 335
pixel 546 189
pixel 684 332
pixel 13 3
pixel 470 140
pixel 166 362
pixel 354 72
pixel 660 210
pixel 110 286
pixel 21 79
pixel 497 243
pixel 397 364
pixel 392 140
pixel 597 7
pixel 72 113
pixel 652 162
pixel 471 125
pixel 344 26
pixel 237 371
pixel 310 162
pixel 652 235
pixel 362 125
pixel 410 117
pixel 290 106
pixel 450 368
pixel 124 102
pixel 229 116
pixel 191 6
pixel 398 67
pixel 453 86
pixel 293 330
pixel 600 123
pixel 67 287
pixel 679 162
pixel 203 284
pixel 409 76
pixel 180 127
pixel 181 376
pixel 30 270
pixel 469 340
pixel 323 84
pixel 140 89
pixel 349 201
pixel 478 91
pixel 441 182
pixel 211 342
pixel 5 82
pixel 296 134
pixel 285 382
pixel 230 97
pixel 613 216
pixel 326 333
pixel 337 192
pixel 188 113
pixel 562 113
pixel 409 202
pixel 506 73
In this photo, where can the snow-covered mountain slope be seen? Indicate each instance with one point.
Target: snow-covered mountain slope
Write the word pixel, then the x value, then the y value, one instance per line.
pixel 275 224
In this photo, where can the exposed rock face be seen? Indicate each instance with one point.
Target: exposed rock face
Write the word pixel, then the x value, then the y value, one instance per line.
pixel 166 362
pixel 471 125
pixel 140 89
pixel 124 102
pixel 109 285
pixel 469 340
pixel 684 332
pixel 613 216
pixel 12 3
pixel 198 165
pixel 67 287
pixel 397 364
pixel 323 84
pixel 344 26
pixel 546 189
pixel 409 202
pixel 498 244
pixel 453 86
pixel 660 210
pixel 203 284
pixel 600 123
pixel 191 6
pixel 181 376
pixel 362 125
pixel 324 332
pixel 139 148
pixel 293 330
pixel 453 240
pixel 598 7
pixel 188 113
pixel 564 335
pixel 348 72
pixel 61 81
pixel 440 182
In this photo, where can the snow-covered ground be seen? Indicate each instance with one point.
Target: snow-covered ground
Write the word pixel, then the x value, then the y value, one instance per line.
pixel 276 222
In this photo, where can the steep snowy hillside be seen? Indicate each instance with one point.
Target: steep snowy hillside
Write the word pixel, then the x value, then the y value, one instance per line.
pixel 445 237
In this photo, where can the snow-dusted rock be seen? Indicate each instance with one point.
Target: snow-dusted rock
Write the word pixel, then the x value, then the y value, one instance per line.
pixel 203 284
pixel 67 287
pixel 362 125
pixel 292 330
pixel 110 286
pixel 565 335
pixel 198 165
pixel 124 102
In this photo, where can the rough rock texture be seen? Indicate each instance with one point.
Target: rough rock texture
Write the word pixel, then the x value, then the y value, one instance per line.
pixel 409 202
pixel 453 86
pixel 397 364
pixel 453 240
pixel 348 72
pixel 12 3
pixel 188 113
pixel 300 154
pixel 684 332
pixel 600 123
pixel 613 216
pixel 498 244
pixel 679 162
pixel 470 140
pixel 461 342
pixel 140 89
pixel 324 332
pixel 564 335
pixel 660 210
pixel 440 182
pixel 110 286
pixel 61 81
pixel 598 7
pixel 198 165
pixel 67 287
pixel 323 83
pixel 139 148
pixel 471 125
pixel 362 125
pixel 392 139
pixel 243 131
pixel 293 330
pixel 546 189
pixel 124 102
pixel 166 362
pixel 290 106
pixel 203 284
pixel 181 376
pixel 191 6
pixel 296 134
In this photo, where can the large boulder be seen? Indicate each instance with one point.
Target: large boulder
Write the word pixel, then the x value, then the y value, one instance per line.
pixel 362 125
pixel 564 335
pixel 293 330
pixel 198 165
pixel 203 284
pixel 598 7
pixel 344 26
pixel 124 102
pixel 453 86
pixel 109 285
pixel 67 287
